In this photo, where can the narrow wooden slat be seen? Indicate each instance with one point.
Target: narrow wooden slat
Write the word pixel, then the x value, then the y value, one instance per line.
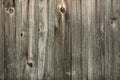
pixel 58 43
pixel 10 46
pixel 85 39
pixel 50 41
pixel 42 42
pixel 115 27
pixel 99 45
pixel 76 21
pixel 32 53
pixel 88 23
pixel 1 42
pixel 91 37
pixel 62 41
pixel 19 57
pixel 67 41
pixel 108 42
pixel 23 32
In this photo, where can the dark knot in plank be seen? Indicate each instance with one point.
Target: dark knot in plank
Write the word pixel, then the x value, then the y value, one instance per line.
pixel 10 10
pixel 62 8
pixel 30 63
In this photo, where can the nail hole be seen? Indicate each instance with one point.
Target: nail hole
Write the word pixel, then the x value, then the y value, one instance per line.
pixel 22 34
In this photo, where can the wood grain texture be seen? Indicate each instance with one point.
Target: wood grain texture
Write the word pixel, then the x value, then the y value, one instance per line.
pixel 1 42
pixel 10 45
pixel 59 40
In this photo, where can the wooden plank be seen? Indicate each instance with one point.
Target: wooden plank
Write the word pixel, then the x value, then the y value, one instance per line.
pixel 115 27
pixel 23 35
pixel 88 39
pixel 32 53
pixel 10 46
pixel 85 39
pixel 109 62
pixel 59 43
pixel 19 58
pixel 1 42
pixel 42 42
pixel 91 37
pixel 67 26
pixel 76 12
pixel 99 43
pixel 50 41
pixel 62 42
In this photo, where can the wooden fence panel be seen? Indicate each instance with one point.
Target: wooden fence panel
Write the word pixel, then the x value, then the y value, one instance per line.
pixel 59 40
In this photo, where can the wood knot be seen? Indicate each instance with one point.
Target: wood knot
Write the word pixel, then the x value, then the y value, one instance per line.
pixel 30 63
pixel 62 8
pixel 10 10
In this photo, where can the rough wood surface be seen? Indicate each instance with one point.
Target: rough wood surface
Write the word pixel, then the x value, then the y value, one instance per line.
pixel 59 40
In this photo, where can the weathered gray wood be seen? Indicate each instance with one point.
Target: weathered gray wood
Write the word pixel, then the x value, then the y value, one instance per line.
pixel 32 53
pixel 19 55
pixel 1 42
pixel 24 34
pixel 49 74
pixel 109 55
pixel 10 45
pixel 99 45
pixel 112 40
pixel 76 25
pixel 116 40
pixel 62 41
pixel 88 38
pixel 85 39
pixel 59 40
pixel 42 41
